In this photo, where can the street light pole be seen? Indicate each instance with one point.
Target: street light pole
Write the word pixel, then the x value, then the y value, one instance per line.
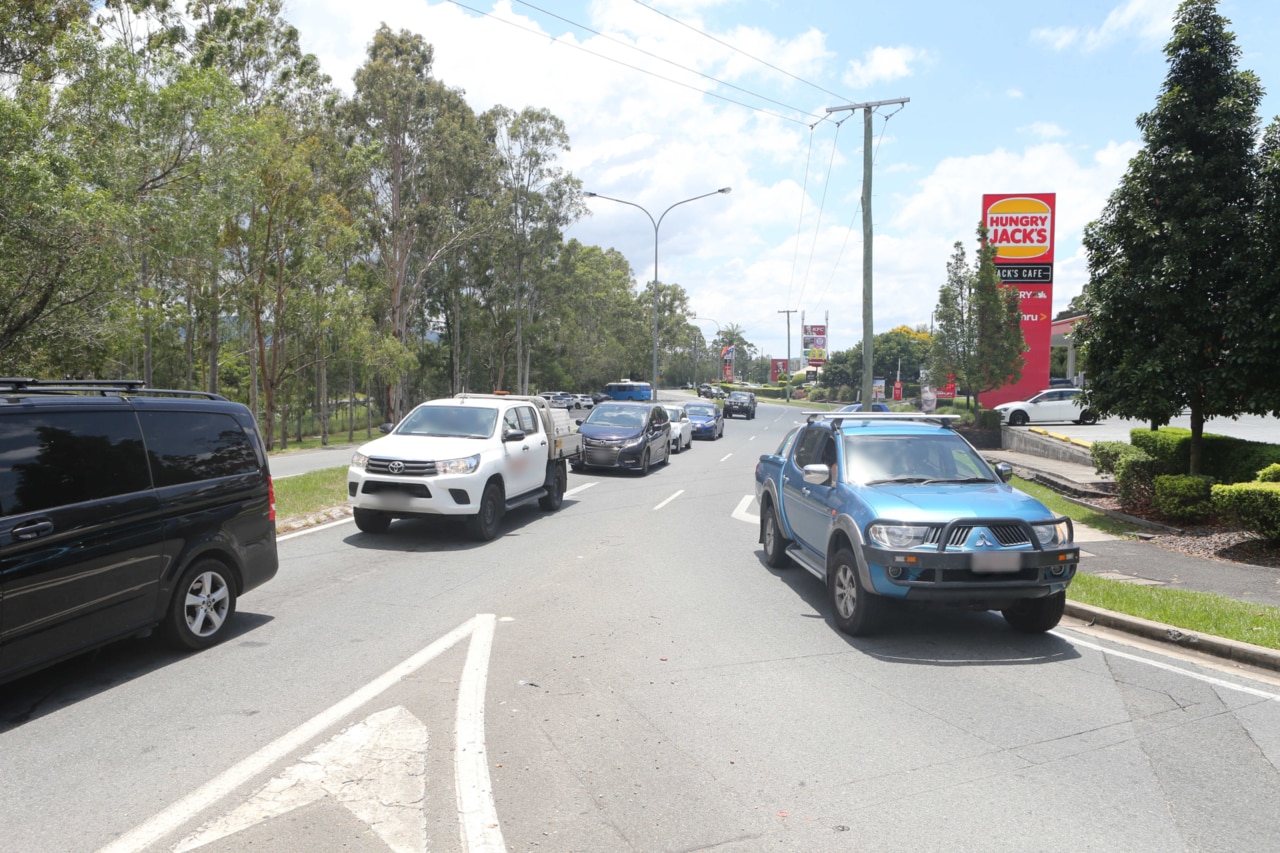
pixel 656 225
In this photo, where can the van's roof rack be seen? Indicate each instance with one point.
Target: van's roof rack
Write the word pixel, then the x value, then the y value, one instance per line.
pixel 103 387
pixel 837 418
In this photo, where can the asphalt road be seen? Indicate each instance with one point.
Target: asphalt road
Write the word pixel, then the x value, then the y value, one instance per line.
pixel 627 674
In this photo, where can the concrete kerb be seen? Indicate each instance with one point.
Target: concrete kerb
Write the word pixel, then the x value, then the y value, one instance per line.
pixel 1232 650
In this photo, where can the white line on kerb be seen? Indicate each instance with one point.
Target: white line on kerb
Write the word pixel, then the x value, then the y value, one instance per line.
pixel 670 499
pixel 726 456
pixel 1208 679
pixel 183 810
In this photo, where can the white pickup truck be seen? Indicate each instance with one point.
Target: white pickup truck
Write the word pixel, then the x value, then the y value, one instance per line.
pixel 474 455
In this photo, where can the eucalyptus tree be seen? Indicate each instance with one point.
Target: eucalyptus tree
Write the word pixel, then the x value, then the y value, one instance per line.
pixel 540 200
pixel 1170 257
pixel 417 133
pixel 30 28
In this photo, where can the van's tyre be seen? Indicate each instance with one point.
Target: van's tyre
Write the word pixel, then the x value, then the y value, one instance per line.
pixel 201 607
pixel 856 611
pixel 644 463
pixel 555 494
pixel 775 545
pixel 1018 418
pixel 1036 615
pixel 371 521
pixel 483 526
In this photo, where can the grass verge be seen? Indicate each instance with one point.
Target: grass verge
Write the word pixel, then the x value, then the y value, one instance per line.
pixel 311 492
pixel 1199 612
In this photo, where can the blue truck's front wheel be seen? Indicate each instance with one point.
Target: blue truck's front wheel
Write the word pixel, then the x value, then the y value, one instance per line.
pixel 855 610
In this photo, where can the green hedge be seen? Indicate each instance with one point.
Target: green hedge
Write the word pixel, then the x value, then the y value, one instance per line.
pixel 1183 497
pixel 1226 459
pixel 1254 506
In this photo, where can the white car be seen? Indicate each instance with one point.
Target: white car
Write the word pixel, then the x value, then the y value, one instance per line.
pixel 681 429
pixel 584 401
pixel 1055 404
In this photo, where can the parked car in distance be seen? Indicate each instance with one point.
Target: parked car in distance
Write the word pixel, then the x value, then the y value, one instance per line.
pixel 599 397
pixel 681 429
pixel 1055 404
pixel 704 390
pixel 706 419
pixel 584 401
pixel 123 508
pixel 559 399
pixel 903 508
pixel 857 407
pixel 740 403
pixel 627 435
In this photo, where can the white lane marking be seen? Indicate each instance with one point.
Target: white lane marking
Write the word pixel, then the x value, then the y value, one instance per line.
pixel 476 809
pixel 1208 679
pixel 752 438
pixel 373 768
pixel 670 499
pixel 741 514
pixel 315 529
pixel 576 489
pixel 726 456
pixel 185 809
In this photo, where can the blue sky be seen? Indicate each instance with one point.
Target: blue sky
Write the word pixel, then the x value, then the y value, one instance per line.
pixel 1005 97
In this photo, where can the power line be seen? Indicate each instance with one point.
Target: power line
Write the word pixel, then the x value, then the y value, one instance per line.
pixel 706 92
pixel 737 50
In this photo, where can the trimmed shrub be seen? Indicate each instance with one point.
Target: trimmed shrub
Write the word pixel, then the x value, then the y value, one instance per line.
pixel 1253 506
pixel 1270 474
pixel 988 419
pixel 1105 454
pixel 1226 459
pixel 1135 474
pixel 844 392
pixel 1183 497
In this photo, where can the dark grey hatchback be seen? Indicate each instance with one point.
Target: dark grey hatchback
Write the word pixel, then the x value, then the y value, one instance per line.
pixel 121 509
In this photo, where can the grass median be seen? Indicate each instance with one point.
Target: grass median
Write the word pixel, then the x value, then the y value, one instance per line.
pixel 1201 612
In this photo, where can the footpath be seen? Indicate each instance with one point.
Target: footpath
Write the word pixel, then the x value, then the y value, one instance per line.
pixel 1063 465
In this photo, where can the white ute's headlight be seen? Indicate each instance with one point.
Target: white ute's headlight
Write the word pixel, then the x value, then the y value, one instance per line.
pixel 458 466
pixel 897 535
pixel 360 461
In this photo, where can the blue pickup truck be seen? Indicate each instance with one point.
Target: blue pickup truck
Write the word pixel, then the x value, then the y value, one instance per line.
pixel 893 506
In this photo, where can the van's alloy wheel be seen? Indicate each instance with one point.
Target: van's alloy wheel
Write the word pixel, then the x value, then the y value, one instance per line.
pixel 202 605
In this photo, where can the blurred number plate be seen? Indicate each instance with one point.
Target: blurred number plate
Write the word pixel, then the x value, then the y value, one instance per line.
pixel 996 561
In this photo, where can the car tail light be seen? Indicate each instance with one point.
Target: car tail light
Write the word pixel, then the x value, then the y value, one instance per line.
pixel 271 499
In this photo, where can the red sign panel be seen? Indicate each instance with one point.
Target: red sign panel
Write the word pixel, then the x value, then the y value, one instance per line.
pixel 777 369
pixel 1020 227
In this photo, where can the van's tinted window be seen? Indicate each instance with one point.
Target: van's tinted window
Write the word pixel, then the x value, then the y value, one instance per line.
pixel 188 446
pixel 58 458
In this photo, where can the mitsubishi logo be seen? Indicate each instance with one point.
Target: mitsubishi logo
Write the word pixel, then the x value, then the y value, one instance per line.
pixel 983 541
pixel 396 467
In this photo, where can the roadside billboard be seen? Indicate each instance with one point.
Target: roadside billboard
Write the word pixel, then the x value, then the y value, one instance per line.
pixel 777 369
pixel 814 341
pixel 1021 228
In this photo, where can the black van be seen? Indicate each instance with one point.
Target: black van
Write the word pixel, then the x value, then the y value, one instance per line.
pixel 123 508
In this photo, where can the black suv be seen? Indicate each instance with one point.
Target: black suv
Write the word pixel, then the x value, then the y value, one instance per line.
pixel 740 403
pixel 123 508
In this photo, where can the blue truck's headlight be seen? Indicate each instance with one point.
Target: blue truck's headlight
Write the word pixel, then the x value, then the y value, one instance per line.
pixel 1052 534
pixel 897 535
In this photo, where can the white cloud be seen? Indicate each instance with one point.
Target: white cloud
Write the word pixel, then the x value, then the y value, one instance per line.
pixel 1043 129
pixel 882 64
pixel 1013 93
pixel 1149 21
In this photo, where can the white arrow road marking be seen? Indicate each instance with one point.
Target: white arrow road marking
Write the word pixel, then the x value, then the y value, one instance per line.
pixel 741 514
pixel 146 834
pixel 476 809
pixel 670 499
pixel 376 768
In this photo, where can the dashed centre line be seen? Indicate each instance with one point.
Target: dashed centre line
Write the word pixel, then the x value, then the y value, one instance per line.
pixel 670 499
